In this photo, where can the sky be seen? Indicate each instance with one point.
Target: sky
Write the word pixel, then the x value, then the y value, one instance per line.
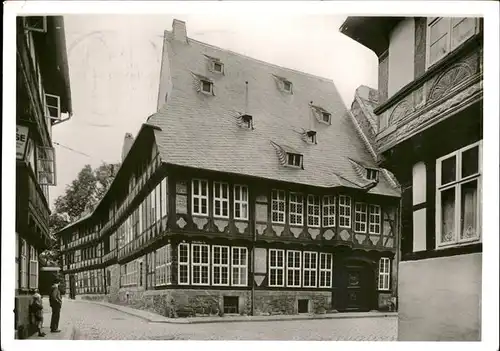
pixel 114 64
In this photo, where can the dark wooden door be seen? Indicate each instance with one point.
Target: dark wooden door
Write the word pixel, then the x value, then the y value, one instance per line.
pixel 355 289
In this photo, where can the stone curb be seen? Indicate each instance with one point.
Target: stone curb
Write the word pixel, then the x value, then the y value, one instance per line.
pixel 160 319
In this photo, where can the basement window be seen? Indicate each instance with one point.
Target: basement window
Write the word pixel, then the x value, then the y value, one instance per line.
pixel 371 174
pixel 294 160
pixel 206 87
pixel 230 304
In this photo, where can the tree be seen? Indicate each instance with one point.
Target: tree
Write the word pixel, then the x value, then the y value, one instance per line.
pixel 80 197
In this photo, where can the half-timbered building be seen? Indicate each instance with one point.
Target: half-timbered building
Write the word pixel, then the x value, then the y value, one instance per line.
pixel 251 190
pixel 43 99
pixel 430 115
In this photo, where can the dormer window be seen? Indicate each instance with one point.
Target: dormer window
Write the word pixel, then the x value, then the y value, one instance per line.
pixel 287 86
pixel 218 67
pixel 294 160
pixel 371 174
pixel 326 117
pixel 311 136
pixel 206 87
pixel 247 121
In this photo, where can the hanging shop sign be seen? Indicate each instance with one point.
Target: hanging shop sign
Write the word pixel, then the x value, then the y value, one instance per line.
pixel 21 141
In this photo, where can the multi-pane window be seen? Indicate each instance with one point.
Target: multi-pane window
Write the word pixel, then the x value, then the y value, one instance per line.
pixel 17 261
pixel 199 197
pixel 183 264
pixel 200 260
pixel 239 266
pixel 276 267
pixel 24 264
pixel 163 268
pixel 33 283
pixel 375 219
pixel 458 194
pixel 296 209
pixel 310 268
pixel 344 211
pixel 158 201
pixel 384 273
pixel 153 207
pixel 278 206
pixel 220 265
pixel 293 268
pixel 445 34
pixel 329 211
pixel 360 218
pixel 129 274
pixel 313 211
pixel 325 270
pixel 240 202
pixel 221 200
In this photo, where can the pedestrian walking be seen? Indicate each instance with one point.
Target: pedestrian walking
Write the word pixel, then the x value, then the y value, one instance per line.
pixel 55 304
pixel 37 312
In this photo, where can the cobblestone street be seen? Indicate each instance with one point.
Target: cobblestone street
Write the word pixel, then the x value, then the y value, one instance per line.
pixel 96 322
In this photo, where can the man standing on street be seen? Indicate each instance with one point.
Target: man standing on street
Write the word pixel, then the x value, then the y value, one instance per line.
pixel 55 304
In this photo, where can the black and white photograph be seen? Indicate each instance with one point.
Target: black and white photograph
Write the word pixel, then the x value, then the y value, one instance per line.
pixel 251 171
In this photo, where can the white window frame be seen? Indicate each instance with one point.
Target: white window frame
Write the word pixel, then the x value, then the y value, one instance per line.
pixel 347 209
pixel 293 202
pixel 214 62
pixel 241 266
pixel 313 259
pixel 28 27
pixel 375 219
pixel 57 106
pixel 221 265
pixel 278 198
pixel 241 203
pixel 285 82
pixel 371 174
pixel 361 224
pixel 33 260
pixel 327 272
pixel 458 196
pixel 329 203
pixel 200 197
pixel 323 115
pixel 219 198
pixel 277 267
pixel 163 265
pixel 450 47
pixel 296 270
pixel 313 203
pixel 24 264
pixel 384 274
pixel 200 264
pixel 211 84
pixel 292 158
pixel 183 264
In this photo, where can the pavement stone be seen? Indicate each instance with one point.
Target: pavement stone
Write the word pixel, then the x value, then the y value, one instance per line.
pixel 98 322
pixel 65 324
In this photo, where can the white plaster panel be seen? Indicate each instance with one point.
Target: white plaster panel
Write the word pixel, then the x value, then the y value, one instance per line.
pixel 260 260
pixel 419 183
pixel 419 230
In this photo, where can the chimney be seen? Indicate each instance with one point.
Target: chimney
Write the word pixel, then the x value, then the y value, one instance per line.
pixel 179 30
pixel 127 144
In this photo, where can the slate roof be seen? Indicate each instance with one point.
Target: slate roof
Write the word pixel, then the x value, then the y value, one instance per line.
pixel 201 131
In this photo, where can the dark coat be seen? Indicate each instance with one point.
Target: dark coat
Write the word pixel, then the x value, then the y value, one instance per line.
pixel 55 297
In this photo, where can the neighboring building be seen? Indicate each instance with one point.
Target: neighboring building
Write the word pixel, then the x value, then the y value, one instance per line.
pixel 430 118
pixel 252 190
pixel 43 99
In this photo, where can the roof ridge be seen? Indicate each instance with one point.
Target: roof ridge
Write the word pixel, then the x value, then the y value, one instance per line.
pixel 259 61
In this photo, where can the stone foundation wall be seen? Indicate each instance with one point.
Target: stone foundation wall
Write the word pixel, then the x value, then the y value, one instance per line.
pixel 113 287
pixel 183 302
pixel 268 302
pixel 23 325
